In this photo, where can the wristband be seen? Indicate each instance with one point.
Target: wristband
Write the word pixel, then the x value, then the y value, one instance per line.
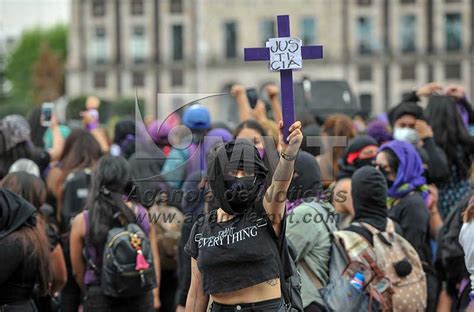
pixel 287 157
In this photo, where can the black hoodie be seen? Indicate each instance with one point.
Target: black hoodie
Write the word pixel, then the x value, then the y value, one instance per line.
pixel 14 212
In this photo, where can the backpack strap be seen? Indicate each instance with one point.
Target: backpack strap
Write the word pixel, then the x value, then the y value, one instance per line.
pixel 85 250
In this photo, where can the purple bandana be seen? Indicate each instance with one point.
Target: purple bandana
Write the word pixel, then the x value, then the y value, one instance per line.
pixel 410 170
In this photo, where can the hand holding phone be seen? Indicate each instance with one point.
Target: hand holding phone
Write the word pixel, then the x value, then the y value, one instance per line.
pixel 47 111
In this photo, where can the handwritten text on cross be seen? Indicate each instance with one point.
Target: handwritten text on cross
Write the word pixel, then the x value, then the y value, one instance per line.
pixel 285 53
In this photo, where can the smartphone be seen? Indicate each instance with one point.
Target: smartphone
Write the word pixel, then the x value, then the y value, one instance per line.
pixel 252 95
pixel 46 114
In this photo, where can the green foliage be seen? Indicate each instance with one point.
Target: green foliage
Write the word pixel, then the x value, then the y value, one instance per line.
pixel 123 107
pixel 19 69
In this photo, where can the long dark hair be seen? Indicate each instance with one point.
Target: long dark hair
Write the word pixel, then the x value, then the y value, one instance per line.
pixel 31 188
pixel 32 239
pixel 81 150
pixel 450 133
pixel 105 202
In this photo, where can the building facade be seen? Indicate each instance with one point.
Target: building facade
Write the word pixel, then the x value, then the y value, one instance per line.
pixel 383 48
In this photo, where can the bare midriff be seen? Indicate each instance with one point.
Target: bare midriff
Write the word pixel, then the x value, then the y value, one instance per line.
pixel 264 291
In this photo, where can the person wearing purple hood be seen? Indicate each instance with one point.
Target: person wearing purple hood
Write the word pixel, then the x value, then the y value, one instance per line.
pixel 406 200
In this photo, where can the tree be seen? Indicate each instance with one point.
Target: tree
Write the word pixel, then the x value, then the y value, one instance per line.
pixel 20 62
pixel 48 76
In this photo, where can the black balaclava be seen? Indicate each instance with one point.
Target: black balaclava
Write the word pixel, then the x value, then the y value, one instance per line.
pixel 236 195
pixel 14 212
pixel 369 196
pixel 347 169
pixel 307 180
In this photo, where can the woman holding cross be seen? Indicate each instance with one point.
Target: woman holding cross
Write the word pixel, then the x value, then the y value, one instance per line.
pixel 234 248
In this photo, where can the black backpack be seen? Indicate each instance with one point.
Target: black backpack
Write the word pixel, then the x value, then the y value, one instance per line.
pixel 121 276
pixel 76 190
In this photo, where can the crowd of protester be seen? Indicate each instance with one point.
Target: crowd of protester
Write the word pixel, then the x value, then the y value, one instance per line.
pixel 391 211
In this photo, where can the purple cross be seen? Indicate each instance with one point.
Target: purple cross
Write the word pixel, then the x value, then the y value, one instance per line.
pixel 286 75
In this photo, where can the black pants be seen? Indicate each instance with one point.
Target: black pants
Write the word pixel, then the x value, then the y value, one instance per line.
pixel 168 286
pixel 26 306
pixel 95 301
pixel 273 305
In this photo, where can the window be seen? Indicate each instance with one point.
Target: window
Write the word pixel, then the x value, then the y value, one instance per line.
pixel 364 2
pixel 176 6
pixel 177 42
pixel 138 44
pixel 364 34
pixel 365 73
pixel 99 46
pixel 177 77
pixel 100 80
pixel 452 71
pixel 98 8
pixel 365 100
pixel 136 7
pixel 230 29
pixel 138 79
pixel 453 31
pixel 408 33
pixel 408 72
pixel 267 30
pixel 308 30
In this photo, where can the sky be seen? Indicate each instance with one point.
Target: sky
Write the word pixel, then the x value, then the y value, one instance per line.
pixel 18 15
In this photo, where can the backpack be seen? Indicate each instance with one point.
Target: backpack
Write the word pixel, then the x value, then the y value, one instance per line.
pixel 392 250
pixel 167 223
pixel 384 289
pixel 76 190
pixel 127 263
pixel 449 254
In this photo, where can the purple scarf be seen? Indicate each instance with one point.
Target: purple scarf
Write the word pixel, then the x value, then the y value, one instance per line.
pixel 410 170
pixel 291 205
pixel 463 113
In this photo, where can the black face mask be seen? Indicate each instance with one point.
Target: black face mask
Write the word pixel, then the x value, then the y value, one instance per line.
pixel 359 163
pixel 389 182
pixel 241 193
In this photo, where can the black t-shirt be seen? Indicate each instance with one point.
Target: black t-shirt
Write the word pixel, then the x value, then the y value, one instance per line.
pixel 234 254
pixel 18 272
pixel 413 217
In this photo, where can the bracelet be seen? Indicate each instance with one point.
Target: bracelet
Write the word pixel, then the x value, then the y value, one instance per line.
pixel 287 157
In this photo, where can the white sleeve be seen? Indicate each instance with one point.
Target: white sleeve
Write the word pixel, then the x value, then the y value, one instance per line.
pixel 466 239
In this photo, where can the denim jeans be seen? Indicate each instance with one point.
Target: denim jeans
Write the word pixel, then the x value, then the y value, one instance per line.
pixel 95 301
pixel 273 305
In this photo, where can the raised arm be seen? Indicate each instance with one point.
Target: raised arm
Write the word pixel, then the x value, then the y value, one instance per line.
pixel 273 91
pixel 245 111
pixel 58 141
pixel 275 197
